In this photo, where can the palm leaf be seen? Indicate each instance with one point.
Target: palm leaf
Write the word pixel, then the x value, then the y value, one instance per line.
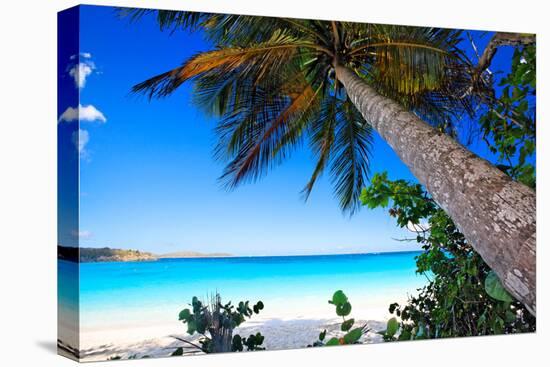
pixel 351 154
pixel 322 139
pixel 260 61
pixel 271 82
pixel 167 19
pixel 260 139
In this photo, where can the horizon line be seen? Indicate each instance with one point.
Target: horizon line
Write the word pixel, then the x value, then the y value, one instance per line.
pixel 243 256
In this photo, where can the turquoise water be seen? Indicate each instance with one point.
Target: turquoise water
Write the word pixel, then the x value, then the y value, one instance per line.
pixel 131 292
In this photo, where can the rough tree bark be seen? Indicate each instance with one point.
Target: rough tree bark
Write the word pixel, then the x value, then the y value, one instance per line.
pixel 496 214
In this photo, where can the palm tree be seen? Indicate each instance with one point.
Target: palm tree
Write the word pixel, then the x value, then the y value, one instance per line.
pixel 275 82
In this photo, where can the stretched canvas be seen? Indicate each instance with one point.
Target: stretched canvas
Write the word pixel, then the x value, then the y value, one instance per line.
pixel 234 183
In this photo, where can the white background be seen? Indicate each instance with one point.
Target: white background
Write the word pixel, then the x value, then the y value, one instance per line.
pixel 28 180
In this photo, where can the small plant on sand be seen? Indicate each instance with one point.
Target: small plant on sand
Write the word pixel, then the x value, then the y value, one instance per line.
pixel 215 323
pixel 343 309
pixel 392 327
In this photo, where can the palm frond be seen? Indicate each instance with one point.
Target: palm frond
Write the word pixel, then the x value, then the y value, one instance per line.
pixel 322 139
pixel 407 67
pixel 422 68
pixel 349 167
pixel 167 19
pixel 242 30
pixel 271 82
pixel 258 141
pixel 259 61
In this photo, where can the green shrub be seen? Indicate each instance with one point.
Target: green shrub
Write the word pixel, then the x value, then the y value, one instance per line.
pixel 215 323
pixel 463 296
pixel 343 309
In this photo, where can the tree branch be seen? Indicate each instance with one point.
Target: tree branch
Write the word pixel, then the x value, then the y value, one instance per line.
pixel 502 39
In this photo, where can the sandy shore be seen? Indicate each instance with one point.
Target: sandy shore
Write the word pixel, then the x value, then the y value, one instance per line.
pixel 279 334
pixel 283 328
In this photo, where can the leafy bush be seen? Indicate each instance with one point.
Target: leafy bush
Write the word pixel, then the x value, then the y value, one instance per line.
pixel 215 324
pixel 343 309
pixel 463 296
pixel 509 124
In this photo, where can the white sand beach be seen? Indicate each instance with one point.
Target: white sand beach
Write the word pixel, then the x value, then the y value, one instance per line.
pixel 282 330
pixel 279 334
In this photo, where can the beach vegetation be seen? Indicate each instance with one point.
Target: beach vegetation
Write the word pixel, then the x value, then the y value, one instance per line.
pixel 508 126
pixel 392 327
pixel 215 323
pixel 350 334
pixel 463 297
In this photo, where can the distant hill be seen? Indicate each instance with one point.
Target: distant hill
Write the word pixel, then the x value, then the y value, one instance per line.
pixel 105 254
pixel 184 254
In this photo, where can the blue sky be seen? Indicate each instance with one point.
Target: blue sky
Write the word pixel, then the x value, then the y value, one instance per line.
pixel 148 179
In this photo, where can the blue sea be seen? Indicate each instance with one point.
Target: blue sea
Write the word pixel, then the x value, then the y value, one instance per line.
pixel 127 294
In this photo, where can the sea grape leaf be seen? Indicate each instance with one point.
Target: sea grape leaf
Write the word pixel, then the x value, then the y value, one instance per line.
pixel 333 341
pixel 495 290
pixel 353 336
pixel 191 327
pixel 184 314
pixel 339 298
pixel 237 343
pixel 343 309
pixel 258 306
pixel 346 325
pixel 392 326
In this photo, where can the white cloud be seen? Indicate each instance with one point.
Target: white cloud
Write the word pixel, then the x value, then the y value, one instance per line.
pixel 70 114
pixel 80 140
pixel 85 55
pixel 81 68
pixel 90 113
pixel 83 113
pixel 80 72
pixel 84 235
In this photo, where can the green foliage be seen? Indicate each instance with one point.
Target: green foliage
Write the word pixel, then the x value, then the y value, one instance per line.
pixel 494 288
pixel 338 298
pixel 509 125
pixel 177 352
pixel 409 201
pixel 391 329
pixel 258 307
pixel 346 325
pixel 462 298
pixel 215 323
pixel 253 342
pixel 350 336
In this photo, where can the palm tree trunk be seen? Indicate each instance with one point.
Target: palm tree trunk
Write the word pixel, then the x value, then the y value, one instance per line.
pixel 496 214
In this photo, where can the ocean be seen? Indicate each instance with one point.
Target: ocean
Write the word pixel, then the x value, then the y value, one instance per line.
pixel 127 295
